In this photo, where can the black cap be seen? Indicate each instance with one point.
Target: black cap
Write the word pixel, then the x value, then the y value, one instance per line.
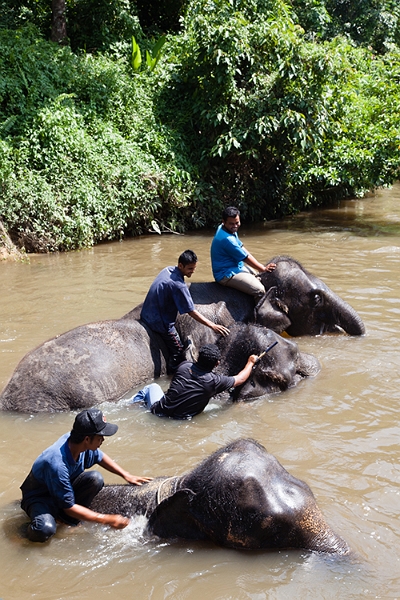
pixel 92 422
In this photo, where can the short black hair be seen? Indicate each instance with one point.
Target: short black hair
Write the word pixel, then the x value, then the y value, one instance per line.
pixel 230 211
pixel 187 258
pixel 77 438
pixel 209 355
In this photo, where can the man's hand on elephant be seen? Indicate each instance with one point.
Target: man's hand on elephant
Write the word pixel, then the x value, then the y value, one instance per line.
pixel 134 480
pixel 117 521
pixel 221 329
pixel 269 267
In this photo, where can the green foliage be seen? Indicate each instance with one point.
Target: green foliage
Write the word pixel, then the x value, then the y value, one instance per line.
pixel 374 23
pixel 249 108
pixel 269 109
pixel 136 55
pixel 95 25
pixel 154 55
pixel 92 25
pixel 15 14
pixel 82 157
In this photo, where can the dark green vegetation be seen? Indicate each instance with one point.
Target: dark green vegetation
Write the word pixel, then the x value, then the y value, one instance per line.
pixel 269 106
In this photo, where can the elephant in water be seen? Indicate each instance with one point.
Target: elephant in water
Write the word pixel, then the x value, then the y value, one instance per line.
pixel 282 367
pixel 296 302
pixel 102 361
pixel 239 497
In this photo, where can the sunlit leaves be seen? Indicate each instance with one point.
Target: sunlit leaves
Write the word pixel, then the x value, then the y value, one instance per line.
pixel 136 55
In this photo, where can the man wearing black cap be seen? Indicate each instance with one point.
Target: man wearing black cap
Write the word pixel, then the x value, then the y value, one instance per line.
pixel 58 488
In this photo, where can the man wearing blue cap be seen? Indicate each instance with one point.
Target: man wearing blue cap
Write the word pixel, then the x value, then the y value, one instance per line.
pixel 58 488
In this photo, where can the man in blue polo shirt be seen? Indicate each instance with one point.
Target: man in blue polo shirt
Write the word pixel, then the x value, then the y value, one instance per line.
pixel 58 488
pixel 232 264
pixel 169 295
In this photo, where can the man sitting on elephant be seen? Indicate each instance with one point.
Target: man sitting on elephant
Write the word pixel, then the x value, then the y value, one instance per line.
pixel 168 295
pixel 228 257
pixel 58 489
pixel 192 386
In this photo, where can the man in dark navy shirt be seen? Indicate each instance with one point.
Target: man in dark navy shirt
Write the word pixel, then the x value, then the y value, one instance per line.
pixel 58 488
pixel 192 386
pixel 169 295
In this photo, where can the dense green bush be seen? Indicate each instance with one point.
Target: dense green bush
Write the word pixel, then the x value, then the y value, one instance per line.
pixel 243 107
pixel 82 156
pixel 95 25
pixel 277 122
pixel 374 23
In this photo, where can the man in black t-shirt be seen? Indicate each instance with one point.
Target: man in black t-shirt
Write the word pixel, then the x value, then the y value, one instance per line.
pixel 192 386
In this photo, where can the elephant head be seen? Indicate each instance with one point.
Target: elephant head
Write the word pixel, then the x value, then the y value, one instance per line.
pixel 282 367
pixel 239 497
pixel 301 304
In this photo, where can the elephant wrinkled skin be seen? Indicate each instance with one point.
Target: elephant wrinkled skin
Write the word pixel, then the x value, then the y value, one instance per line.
pixel 284 366
pixel 102 361
pixel 296 302
pixel 239 497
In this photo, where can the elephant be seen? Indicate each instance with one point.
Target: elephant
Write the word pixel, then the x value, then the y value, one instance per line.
pixel 284 366
pixel 102 361
pixel 296 302
pixel 79 369
pixel 238 497
pixel 85 366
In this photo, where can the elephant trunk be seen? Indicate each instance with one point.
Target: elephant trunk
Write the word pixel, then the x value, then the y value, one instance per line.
pixel 318 536
pixel 329 542
pixel 307 365
pixel 345 316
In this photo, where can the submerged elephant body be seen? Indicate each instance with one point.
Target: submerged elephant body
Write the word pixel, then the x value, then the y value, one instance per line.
pixel 88 365
pixel 102 361
pixel 239 497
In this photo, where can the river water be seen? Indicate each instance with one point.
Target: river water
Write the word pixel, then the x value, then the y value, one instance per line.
pixel 339 431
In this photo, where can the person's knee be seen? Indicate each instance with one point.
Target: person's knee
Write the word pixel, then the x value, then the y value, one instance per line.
pixel 95 480
pixel 154 394
pixel 86 486
pixel 259 294
pixel 42 528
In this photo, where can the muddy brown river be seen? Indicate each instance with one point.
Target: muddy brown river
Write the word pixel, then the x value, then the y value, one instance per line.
pixel 339 431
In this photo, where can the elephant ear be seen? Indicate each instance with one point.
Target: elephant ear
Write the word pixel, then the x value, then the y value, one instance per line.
pixel 307 365
pixel 271 312
pixel 172 517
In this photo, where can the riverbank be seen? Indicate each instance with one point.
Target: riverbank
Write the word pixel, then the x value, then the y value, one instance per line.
pixel 8 250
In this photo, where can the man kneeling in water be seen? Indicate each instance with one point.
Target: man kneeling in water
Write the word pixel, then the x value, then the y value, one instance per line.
pixel 192 386
pixel 59 489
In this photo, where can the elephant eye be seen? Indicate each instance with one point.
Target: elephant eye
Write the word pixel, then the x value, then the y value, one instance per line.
pixel 317 299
